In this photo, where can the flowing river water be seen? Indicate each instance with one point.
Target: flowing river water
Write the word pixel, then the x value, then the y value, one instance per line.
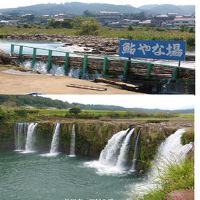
pixel 32 176
pixel 5 45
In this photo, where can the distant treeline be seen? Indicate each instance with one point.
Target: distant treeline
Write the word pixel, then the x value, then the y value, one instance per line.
pixel 34 101
pixel 43 102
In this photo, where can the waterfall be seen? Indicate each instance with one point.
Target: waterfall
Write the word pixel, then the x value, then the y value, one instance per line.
pixel 110 153
pixel 73 142
pixel 30 138
pixel 135 155
pixel 55 140
pixel 114 157
pixel 20 133
pixel 124 151
pixel 171 151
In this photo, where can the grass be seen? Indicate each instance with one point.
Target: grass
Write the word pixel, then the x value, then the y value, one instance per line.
pixel 41 114
pixel 137 34
pixel 177 177
pixel 96 114
pixel 99 114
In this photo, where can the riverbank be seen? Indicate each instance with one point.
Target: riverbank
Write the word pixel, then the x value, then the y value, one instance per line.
pixel 13 81
pixel 106 42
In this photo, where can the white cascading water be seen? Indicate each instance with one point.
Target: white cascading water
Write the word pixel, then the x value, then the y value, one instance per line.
pixel 110 153
pixel 73 142
pixel 123 156
pixel 30 138
pixel 170 151
pixel 19 131
pixel 135 155
pixel 55 140
pixel 115 154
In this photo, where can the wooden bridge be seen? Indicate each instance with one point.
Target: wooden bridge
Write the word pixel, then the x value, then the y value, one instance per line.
pixel 129 70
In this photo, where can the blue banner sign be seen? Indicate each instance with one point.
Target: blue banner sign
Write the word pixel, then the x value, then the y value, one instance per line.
pixel 155 49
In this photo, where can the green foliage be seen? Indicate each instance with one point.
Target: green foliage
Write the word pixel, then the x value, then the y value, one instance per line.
pixel 130 28
pixel 177 177
pixel 3 116
pixel 21 112
pixel 191 30
pixel 191 42
pixel 74 110
pixel 183 28
pixel 27 100
pixel 67 23
pixel 89 26
pixel 187 137
pixel 137 34
pixel 87 13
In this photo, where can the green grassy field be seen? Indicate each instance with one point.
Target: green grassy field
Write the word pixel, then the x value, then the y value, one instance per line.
pixel 9 111
pixel 41 114
pixel 137 34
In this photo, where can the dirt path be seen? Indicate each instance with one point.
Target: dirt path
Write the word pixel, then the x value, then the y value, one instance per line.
pixel 15 82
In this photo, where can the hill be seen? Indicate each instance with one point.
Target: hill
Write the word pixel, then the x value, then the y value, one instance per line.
pixel 77 8
pixel 168 8
pixel 42 102
pixel 73 8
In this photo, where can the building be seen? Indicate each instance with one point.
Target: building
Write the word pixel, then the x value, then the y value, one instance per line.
pixel 124 23
pixel 182 21
pixel 107 17
pixel 145 22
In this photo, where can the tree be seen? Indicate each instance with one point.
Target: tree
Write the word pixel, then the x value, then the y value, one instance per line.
pixel 130 28
pixel 89 26
pixel 87 13
pixel 74 110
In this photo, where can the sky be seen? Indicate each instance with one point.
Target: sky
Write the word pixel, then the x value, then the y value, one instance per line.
pixel 135 3
pixel 132 101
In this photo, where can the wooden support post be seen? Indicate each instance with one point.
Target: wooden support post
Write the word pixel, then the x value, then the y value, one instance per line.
pixel 149 70
pixel 66 66
pixel 85 66
pixel 126 68
pixel 49 63
pixel 12 49
pixel 105 66
pixel 34 57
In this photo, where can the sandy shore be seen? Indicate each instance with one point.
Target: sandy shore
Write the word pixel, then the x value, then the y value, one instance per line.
pixel 15 82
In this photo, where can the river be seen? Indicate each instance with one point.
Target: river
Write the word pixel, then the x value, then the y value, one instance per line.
pixel 31 177
pixel 5 45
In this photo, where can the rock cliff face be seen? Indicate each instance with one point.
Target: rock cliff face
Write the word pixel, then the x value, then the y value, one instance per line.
pixel 92 136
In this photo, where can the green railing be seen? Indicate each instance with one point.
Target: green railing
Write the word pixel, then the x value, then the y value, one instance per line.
pixel 85 57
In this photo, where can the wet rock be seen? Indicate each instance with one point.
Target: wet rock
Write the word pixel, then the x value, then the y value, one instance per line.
pixel 100 45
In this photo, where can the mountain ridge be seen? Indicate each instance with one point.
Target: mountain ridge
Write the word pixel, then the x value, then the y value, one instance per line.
pixel 79 8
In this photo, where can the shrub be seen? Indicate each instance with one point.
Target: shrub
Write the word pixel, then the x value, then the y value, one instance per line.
pixel 177 177
pixel 21 112
pixel 130 28
pixel 89 27
pixel 74 110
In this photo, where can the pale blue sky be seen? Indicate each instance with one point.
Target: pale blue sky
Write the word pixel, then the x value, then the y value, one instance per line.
pixel 136 3
pixel 171 102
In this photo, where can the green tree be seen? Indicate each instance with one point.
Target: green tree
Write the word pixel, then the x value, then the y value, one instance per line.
pixel 74 110
pixel 130 28
pixel 87 13
pixel 89 26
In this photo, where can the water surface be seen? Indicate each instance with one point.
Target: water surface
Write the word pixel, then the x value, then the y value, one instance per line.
pixel 31 177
